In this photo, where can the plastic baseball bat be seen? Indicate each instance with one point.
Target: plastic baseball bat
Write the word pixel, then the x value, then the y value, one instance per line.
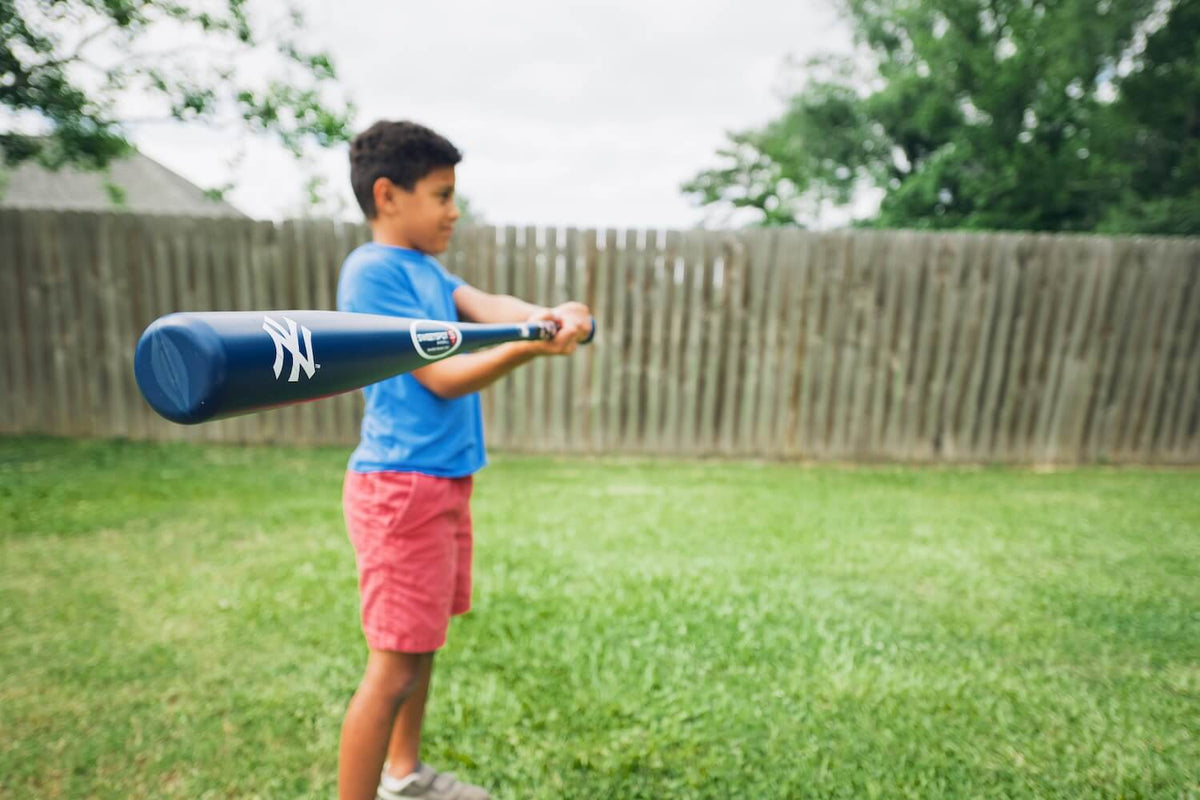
pixel 195 367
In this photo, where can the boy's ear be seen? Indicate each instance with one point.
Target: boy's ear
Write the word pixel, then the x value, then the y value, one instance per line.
pixel 385 193
pixel 381 190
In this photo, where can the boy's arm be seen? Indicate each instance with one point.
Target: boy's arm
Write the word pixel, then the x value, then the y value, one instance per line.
pixel 465 374
pixel 477 306
pixel 574 319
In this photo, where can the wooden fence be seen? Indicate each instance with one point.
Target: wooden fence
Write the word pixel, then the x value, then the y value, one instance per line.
pixel 780 344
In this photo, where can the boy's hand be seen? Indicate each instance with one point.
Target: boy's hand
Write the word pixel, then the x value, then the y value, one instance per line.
pixel 576 317
pixel 574 324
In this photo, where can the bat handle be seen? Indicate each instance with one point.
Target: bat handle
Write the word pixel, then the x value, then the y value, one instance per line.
pixel 545 329
pixel 548 329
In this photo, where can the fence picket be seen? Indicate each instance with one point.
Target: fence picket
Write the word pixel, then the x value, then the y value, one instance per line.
pixel 630 350
pixel 1143 349
pixel 1097 344
pixel 870 421
pixel 1044 290
pixel 641 268
pixel 1182 419
pixel 564 379
pixel 602 349
pixel 50 268
pixel 754 352
pixel 714 323
pixel 12 400
pixel 112 290
pixel 584 406
pixel 915 357
pixel 75 246
pixel 945 281
pixel 767 310
pixel 730 374
pixel 617 367
pixel 890 278
pixel 1165 342
pixel 973 297
pixel 695 276
pixel 673 322
pixel 1067 430
pixel 16 400
pixel 908 278
pixel 658 317
pixel 787 424
pixel 996 380
pixel 546 258
pixel 1129 288
pixel 996 289
pixel 812 352
pixel 851 427
pixel 31 303
pixel 1068 302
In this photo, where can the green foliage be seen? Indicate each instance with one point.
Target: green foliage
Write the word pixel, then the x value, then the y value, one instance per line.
pixel 180 621
pixel 116 194
pixel 469 213
pixel 1157 117
pixel 990 114
pixel 69 65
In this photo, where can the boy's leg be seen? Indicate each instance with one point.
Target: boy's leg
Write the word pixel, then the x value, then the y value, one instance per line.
pixel 390 679
pixel 405 747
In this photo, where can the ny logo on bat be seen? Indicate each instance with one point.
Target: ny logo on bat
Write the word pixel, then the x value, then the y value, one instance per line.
pixel 289 339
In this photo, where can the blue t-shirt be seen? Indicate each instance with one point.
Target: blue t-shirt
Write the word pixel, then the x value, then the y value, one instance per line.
pixel 405 426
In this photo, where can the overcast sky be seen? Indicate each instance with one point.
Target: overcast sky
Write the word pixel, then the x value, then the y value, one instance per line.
pixel 587 114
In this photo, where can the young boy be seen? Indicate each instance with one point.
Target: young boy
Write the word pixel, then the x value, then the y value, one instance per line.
pixel 408 485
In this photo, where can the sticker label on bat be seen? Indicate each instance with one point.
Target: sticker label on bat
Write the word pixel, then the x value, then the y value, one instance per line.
pixel 289 339
pixel 434 340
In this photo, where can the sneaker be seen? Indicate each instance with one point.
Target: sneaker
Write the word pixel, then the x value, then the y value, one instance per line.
pixel 430 784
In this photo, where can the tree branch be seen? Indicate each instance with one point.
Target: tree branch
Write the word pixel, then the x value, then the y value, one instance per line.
pixel 77 54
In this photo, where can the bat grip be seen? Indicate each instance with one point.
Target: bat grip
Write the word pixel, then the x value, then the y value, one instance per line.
pixel 548 329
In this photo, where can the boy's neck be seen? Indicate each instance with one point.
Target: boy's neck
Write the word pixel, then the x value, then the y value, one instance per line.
pixel 382 234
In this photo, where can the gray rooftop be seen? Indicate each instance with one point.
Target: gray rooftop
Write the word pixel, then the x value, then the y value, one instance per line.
pixel 150 188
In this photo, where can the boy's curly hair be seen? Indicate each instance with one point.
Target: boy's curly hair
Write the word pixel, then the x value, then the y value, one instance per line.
pixel 403 152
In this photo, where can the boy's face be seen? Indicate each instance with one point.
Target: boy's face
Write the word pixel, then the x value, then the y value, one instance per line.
pixel 422 219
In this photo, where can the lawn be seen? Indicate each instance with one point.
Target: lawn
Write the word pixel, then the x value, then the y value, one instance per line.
pixel 180 621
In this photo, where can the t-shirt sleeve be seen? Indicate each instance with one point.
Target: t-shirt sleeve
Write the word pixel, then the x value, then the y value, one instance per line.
pixel 451 280
pixel 378 291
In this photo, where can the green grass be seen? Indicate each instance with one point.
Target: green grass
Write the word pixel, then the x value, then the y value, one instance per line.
pixel 181 621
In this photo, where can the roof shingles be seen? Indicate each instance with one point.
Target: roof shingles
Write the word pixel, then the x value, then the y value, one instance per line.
pixel 149 187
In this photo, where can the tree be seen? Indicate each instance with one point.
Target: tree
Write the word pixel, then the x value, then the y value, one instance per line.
pixel 1157 117
pixel 75 74
pixel 989 114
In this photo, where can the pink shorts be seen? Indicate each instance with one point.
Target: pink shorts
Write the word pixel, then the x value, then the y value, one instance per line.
pixel 412 541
